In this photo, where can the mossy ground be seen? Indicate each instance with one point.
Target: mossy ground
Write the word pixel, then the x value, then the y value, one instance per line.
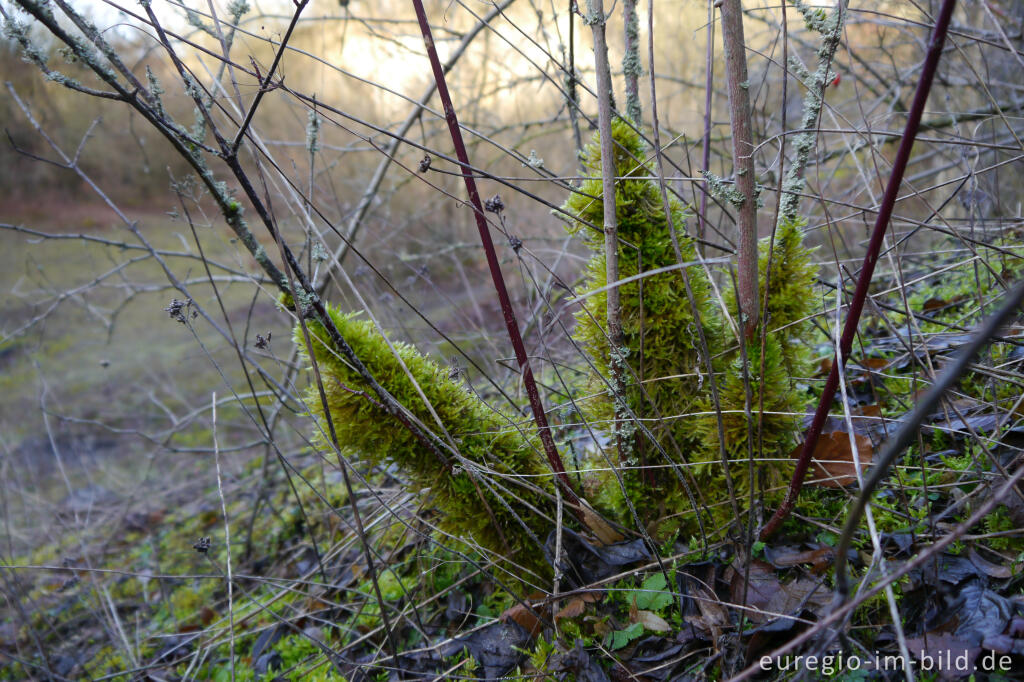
pixel 133 586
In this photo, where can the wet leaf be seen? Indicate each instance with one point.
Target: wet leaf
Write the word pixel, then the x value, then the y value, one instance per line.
pixel 820 558
pixel 267 639
pixel 998 571
pixel 768 597
pixel 578 662
pixel 652 653
pixel 495 647
pixel 701 605
pixel 945 646
pixel 584 564
pixel 980 613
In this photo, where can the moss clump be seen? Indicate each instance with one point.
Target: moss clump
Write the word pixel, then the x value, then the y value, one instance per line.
pixel 666 373
pixel 492 486
pixel 664 370
pixel 776 404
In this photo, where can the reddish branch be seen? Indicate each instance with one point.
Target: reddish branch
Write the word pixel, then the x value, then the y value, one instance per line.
pixel 899 165
pixel 543 429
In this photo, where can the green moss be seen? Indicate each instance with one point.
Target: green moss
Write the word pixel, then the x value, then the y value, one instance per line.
pixel 667 384
pixel 664 367
pixel 492 486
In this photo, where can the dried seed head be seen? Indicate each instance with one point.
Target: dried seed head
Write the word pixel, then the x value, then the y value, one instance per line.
pixel 181 310
pixel 494 204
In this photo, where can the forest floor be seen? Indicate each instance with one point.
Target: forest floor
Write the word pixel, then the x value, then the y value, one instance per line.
pixel 127 508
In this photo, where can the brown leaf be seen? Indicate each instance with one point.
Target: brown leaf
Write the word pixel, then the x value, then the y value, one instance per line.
pixel 876 364
pixel 868 411
pixel 573 609
pixel 934 303
pixel 652 621
pixel 820 558
pixel 527 617
pixel 832 463
pixel 713 613
pixel 769 597
pixel 1000 572
pixel 601 528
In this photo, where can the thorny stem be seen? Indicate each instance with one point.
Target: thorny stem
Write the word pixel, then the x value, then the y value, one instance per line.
pixel 743 162
pixel 899 166
pixel 537 406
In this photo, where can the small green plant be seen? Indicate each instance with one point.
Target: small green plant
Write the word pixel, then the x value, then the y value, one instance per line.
pixel 618 639
pixel 652 595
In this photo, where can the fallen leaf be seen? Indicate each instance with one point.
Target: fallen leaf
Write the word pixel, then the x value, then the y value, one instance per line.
pixel 702 607
pixel 652 621
pixel 832 463
pixel 768 597
pixel 875 364
pixel 497 648
pixel 578 662
pixel 935 303
pixel 526 614
pixel 819 558
pixel 601 528
pixel 998 571
pixel 573 609
pixel 584 564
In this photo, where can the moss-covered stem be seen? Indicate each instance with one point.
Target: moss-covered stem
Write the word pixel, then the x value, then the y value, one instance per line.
pixel 632 67
pixel 831 29
pixel 738 83
pixel 350 494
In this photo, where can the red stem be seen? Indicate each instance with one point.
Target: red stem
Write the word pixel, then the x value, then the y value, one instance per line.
pixel 899 165
pixel 492 258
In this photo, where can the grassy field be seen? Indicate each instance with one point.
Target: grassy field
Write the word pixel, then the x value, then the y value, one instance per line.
pixel 101 390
